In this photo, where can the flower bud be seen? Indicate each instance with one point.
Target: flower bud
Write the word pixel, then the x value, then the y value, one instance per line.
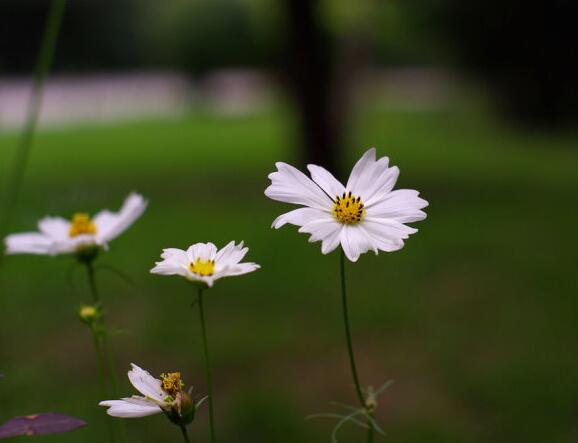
pixel 88 313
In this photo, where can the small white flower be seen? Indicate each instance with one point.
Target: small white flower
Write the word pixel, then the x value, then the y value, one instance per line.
pixel 364 215
pixel 202 262
pixel 164 395
pixel 155 399
pixel 60 236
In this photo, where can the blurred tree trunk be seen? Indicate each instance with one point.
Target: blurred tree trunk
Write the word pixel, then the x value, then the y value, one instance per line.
pixel 321 68
pixel 309 71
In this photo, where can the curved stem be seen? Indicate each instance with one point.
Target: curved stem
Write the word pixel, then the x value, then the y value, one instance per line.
pixel 351 354
pixel 43 66
pixel 348 332
pixel 207 366
pixel 185 433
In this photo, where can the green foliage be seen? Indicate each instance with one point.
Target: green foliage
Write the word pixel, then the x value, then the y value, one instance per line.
pixel 474 319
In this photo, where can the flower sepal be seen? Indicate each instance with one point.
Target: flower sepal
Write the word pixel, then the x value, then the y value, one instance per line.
pixel 183 409
pixel 87 253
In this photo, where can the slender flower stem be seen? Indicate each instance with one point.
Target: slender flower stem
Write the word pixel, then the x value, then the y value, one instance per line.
pixel 207 366
pixel 370 431
pixel 100 329
pixel 351 354
pixel 103 353
pixel 92 281
pixel 42 67
pixel 348 332
pixel 185 433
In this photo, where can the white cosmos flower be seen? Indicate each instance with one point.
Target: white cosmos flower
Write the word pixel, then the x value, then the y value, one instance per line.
pixel 159 395
pixel 60 236
pixel 202 262
pixel 365 214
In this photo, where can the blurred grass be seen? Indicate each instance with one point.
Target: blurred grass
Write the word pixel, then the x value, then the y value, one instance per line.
pixel 475 319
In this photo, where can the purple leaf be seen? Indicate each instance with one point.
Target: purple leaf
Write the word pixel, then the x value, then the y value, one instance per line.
pixel 39 424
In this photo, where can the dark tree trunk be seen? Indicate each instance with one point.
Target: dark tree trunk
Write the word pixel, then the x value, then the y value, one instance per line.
pixel 309 74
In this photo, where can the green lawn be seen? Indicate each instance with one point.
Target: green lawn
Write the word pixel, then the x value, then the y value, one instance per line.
pixel 475 319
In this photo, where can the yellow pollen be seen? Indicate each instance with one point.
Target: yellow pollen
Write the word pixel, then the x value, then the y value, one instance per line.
pixel 348 209
pixel 171 383
pixel 81 224
pixel 204 268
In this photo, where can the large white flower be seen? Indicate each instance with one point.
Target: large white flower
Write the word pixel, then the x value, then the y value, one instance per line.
pixel 365 214
pixel 60 236
pixel 202 262
pixel 159 395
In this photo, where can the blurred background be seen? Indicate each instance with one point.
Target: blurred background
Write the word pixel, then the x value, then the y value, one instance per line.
pixel 191 102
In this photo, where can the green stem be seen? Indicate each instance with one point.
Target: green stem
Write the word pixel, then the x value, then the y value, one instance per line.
pixel 103 352
pixel 41 69
pixel 92 282
pixel 351 354
pixel 370 431
pixel 185 434
pixel 43 66
pixel 348 333
pixel 100 360
pixel 102 329
pixel 207 366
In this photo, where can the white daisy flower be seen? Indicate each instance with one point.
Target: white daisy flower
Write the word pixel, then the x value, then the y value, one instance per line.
pixel 203 263
pixel 164 395
pixel 60 236
pixel 365 214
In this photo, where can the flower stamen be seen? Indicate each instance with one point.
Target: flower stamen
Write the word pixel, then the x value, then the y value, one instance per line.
pixel 348 209
pixel 171 383
pixel 81 223
pixel 204 268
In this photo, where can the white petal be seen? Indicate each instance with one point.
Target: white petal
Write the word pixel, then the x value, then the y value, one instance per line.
pixel 57 228
pixel 29 243
pixel 360 170
pixel 202 251
pixel 393 227
pixel 387 235
pixel 402 205
pixel 290 185
pixel 371 179
pixel 326 181
pixel 238 269
pixel 379 183
pixel 327 230
pixel 175 262
pixel 145 383
pixel 131 407
pixel 230 255
pixel 110 225
pixel 300 217
pixel 355 242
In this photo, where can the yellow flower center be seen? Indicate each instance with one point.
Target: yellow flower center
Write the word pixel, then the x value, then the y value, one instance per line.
pixel 204 268
pixel 81 223
pixel 348 209
pixel 171 383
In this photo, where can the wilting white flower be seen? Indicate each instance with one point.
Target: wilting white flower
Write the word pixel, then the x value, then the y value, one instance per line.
pixel 60 236
pixel 365 214
pixel 159 395
pixel 202 262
